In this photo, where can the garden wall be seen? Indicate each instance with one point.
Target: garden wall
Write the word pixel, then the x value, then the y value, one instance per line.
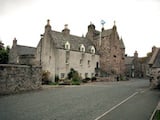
pixel 16 78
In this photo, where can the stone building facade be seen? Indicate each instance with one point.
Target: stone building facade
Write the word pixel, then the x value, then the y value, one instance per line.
pixel 99 53
pixel 58 52
pixel 154 66
pixel 22 54
pixel 110 48
pixel 137 67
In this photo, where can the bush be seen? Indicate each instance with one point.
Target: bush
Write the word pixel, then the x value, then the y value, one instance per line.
pixel 52 83
pixel 76 82
pixel 74 77
pixel 93 79
pixel 56 78
pixel 86 80
pixel 45 77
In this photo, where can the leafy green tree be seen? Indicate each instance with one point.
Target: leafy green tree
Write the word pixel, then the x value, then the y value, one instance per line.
pixel 4 53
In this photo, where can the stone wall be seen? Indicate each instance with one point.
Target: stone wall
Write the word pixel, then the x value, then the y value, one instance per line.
pixel 16 78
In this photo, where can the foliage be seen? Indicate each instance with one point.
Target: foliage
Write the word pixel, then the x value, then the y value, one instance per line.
pixel 93 79
pixel 86 80
pixel 76 82
pixel 74 77
pixel 157 115
pixel 52 83
pixel 56 78
pixel 4 53
pixel 45 77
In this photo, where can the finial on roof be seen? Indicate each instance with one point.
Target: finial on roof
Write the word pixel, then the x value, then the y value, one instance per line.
pixel 114 22
pixel 90 23
pixel 66 26
pixel 48 22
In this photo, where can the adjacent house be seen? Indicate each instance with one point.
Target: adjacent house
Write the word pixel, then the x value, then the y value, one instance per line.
pixel 154 65
pixel 20 54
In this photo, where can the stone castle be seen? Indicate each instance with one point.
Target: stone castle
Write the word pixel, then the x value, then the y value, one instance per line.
pixel 99 53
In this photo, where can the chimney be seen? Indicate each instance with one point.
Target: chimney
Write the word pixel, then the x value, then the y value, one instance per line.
pixel 48 26
pixel 153 48
pixel 136 54
pixel 66 31
pixel 14 43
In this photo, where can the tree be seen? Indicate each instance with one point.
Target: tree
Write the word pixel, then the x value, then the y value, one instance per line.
pixel 4 53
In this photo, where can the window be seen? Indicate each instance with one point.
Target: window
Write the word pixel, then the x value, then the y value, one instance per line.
pixel 62 75
pixel 97 64
pixel 80 74
pixel 80 62
pixel 67 45
pixel 67 61
pixel 17 59
pixel 89 63
pixel 92 50
pixel 86 75
pixel 82 48
pixel 92 74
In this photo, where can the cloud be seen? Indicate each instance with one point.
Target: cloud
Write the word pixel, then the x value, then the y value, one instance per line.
pixel 7 6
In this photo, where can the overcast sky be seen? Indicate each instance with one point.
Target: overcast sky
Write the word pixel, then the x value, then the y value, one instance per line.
pixel 138 21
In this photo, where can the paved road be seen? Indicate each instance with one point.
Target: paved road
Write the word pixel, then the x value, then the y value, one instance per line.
pixel 130 100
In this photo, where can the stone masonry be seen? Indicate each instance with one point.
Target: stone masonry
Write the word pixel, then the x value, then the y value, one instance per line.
pixel 16 78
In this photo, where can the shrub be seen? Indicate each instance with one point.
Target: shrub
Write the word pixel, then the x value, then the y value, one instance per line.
pixel 93 79
pixel 74 76
pixel 76 82
pixel 86 80
pixel 56 78
pixel 45 77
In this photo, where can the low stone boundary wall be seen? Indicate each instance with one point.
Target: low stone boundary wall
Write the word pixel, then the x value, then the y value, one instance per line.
pixel 16 78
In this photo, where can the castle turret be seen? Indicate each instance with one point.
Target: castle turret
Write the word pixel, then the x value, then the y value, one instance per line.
pixel 91 31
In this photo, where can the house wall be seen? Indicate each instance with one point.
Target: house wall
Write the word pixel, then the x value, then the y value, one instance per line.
pixel 84 63
pixel 16 78
pixel 155 77
pixel 45 55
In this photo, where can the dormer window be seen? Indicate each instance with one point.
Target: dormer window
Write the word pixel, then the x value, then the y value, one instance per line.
pixel 82 48
pixel 93 50
pixel 67 45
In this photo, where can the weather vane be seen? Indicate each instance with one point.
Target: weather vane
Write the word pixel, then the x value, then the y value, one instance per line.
pixel 103 22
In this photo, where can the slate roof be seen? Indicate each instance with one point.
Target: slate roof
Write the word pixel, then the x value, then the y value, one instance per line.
pixel 25 50
pixel 107 32
pixel 129 60
pixel 156 63
pixel 154 55
pixel 60 39
pixel 122 44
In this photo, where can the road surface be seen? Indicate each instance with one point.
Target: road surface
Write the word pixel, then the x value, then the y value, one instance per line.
pixel 128 100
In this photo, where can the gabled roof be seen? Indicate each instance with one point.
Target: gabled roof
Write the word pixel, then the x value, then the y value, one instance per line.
pixel 107 32
pixel 156 63
pixel 154 56
pixel 60 39
pixel 122 44
pixel 25 50
pixel 129 60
